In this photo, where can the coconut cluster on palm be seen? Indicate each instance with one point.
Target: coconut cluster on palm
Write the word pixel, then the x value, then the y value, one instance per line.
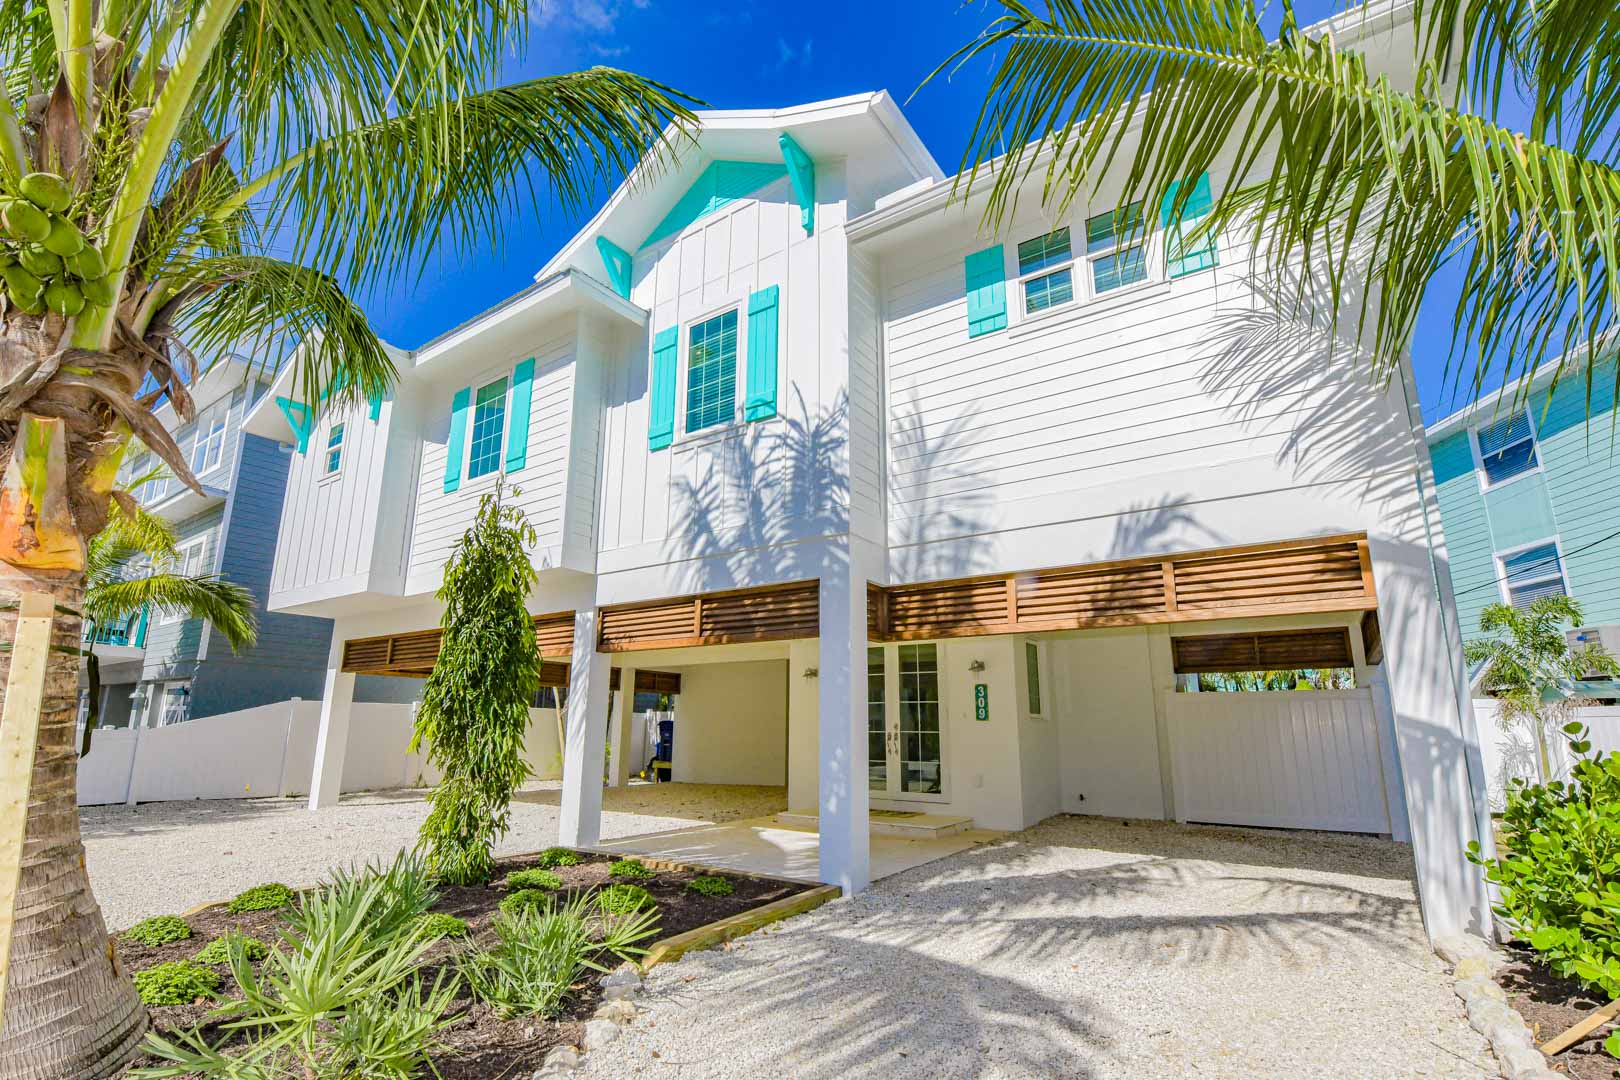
pixel 182 177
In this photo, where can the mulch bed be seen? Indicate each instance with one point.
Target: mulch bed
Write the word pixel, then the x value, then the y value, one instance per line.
pixel 482 1046
pixel 1551 1005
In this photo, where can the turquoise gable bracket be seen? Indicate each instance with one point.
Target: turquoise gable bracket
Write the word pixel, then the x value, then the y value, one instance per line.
pixel 720 185
pixel 802 171
pixel 301 417
pixel 617 262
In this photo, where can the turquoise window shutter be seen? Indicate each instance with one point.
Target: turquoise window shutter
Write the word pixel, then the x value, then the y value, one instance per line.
pixel 762 335
pixel 661 391
pixel 1184 258
pixel 458 438
pixel 986 292
pixel 517 421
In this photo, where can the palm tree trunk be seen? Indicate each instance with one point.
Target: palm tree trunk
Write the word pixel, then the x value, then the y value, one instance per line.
pixel 70 1012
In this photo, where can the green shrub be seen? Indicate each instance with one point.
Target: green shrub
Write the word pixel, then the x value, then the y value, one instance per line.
pixel 533 879
pixel 541 952
pixel 438 925
pixel 1559 843
pixel 711 885
pixel 521 900
pixel 629 870
pixel 553 857
pixel 218 951
pixel 267 897
pixel 624 899
pixel 179 982
pixel 159 930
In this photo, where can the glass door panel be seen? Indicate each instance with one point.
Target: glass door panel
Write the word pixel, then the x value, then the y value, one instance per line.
pixel 920 757
pixel 877 723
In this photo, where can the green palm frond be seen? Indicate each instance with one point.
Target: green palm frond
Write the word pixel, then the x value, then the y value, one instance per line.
pixel 225 604
pixel 1324 162
pixel 126 539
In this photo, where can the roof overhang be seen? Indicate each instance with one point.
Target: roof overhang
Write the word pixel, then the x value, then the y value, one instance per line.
pixel 1571 364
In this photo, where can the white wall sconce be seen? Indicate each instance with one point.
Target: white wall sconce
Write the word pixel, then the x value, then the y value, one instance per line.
pixel 976 665
pixel 811 673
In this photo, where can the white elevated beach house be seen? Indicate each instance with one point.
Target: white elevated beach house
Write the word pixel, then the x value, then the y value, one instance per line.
pixel 911 517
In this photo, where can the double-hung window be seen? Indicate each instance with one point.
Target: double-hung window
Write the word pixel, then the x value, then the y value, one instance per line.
pixel 1116 248
pixel 1046 271
pixel 711 373
pixel 1507 448
pixel 1531 573
pixel 209 446
pixel 334 449
pixel 189 562
pixel 488 428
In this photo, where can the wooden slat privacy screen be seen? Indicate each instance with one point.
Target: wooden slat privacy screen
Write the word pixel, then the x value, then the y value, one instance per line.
pixel 1276 650
pixel 413 654
pixel 771 613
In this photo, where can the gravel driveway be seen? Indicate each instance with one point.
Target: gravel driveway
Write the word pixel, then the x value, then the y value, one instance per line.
pixel 1080 948
pixel 163 858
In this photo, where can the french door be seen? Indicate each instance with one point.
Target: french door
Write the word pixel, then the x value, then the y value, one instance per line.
pixel 904 746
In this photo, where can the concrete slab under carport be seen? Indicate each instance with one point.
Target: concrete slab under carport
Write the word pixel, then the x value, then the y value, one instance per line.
pixel 764 845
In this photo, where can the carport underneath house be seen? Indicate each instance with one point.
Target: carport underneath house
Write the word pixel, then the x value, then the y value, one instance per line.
pixel 1001 699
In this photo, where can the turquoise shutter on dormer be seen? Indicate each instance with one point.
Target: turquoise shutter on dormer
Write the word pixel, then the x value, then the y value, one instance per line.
pixel 517 419
pixel 762 334
pixel 986 291
pixel 1183 259
pixel 457 446
pixel 661 390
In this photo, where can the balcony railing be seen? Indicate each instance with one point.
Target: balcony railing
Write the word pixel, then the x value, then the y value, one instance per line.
pixel 132 632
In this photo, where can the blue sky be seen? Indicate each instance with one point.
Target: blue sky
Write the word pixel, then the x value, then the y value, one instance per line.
pixel 758 55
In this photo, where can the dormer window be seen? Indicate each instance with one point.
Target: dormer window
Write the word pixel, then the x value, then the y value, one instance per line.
pixel 1507 448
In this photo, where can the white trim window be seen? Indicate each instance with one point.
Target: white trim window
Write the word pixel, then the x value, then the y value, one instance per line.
pixel 1116 249
pixel 334 449
pixel 174 705
pixel 1046 272
pixel 488 441
pixel 1532 572
pixel 1507 448
pixel 208 447
pixel 190 561
pixel 711 371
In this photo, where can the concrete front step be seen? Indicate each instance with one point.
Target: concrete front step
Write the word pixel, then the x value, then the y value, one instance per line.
pixel 905 823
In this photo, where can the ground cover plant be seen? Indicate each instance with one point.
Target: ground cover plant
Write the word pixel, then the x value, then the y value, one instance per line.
pixel 711 885
pixel 267 897
pixel 159 930
pixel 218 951
pixel 630 870
pixel 534 877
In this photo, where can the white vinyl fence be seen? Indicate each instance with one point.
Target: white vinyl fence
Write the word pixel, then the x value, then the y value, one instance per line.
pixel 1511 751
pixel 1298 760
pixel 270 750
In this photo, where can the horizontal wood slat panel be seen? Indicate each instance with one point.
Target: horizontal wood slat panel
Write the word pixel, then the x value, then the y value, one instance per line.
pixel 769 613
pixel 1314 575
pixel 413 654
pixel 1278 650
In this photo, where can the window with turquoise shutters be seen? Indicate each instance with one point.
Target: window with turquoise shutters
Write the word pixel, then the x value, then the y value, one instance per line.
pixel 1116 248
pixel 711 372
pixel 661 390
pixel 488 424
pixel 986 291
pixel 760 404
pixel 1187 250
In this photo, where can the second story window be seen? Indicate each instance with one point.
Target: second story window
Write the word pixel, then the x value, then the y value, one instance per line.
pixel 1507 448
pixel 711 373
pixel 334 449
pixel 209 446
pixel 1531 573
pixel 1116 247
pixel 1045 268
pixel 189 561
pixel 489 424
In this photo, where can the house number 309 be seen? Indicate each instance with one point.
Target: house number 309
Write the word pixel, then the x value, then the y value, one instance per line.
pixel 981 701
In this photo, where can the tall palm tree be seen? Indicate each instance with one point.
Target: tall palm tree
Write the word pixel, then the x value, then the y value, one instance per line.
pixel 1530 668
pixel 178 176
pixel 1325 161
pixel 129 569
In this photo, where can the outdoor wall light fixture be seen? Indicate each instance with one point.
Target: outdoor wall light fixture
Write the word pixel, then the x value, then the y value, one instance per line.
pixel 811 672
pixel 976 665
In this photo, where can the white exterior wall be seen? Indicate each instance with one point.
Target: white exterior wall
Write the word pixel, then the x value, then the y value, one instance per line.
pixel 1108 748
pixel 731 724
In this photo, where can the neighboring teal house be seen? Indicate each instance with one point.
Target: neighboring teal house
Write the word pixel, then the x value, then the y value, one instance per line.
pixel 1529 493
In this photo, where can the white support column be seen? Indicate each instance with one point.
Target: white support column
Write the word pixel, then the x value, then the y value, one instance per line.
pixel 579 821
pixel 846 858
pixel 332 738
pixel 619 728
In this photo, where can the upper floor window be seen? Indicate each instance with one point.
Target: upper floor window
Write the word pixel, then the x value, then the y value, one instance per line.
pixel 1507 448
pixel 1116 247
pixel 1531 573
pixel 711 373
pixel 209 445
pixel 189 562
pixel 488 426
pixel 334 449
pixel 1046 271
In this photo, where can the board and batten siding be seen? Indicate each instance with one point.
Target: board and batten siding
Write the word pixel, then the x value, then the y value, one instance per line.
pixel 733 505
pixel 442 517
pixel 1125 421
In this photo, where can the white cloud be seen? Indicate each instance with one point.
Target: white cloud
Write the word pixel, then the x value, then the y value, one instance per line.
pixel 595 16
pixel 790 56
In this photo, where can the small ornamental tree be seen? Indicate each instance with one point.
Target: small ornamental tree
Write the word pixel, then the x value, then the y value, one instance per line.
pixel 475 708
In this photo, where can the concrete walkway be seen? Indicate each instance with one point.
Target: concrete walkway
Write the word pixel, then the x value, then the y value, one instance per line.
pixel 1080 948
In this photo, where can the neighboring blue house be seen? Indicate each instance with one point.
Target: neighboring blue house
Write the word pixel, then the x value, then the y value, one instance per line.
pixel 1529 494
pixel 163 671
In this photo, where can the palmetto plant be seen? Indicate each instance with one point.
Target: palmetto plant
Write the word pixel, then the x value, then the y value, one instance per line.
pixel 1332 165
pixel 210 167
pixel 1530 668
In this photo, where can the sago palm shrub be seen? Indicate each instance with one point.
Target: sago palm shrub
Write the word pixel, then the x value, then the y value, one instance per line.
pixel 178 177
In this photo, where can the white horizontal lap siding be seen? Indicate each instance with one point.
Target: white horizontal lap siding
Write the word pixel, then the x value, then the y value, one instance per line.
pixel 328 523
pixel 707 495
pixel 865 399
pixel 443 517
pixel 1301 760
